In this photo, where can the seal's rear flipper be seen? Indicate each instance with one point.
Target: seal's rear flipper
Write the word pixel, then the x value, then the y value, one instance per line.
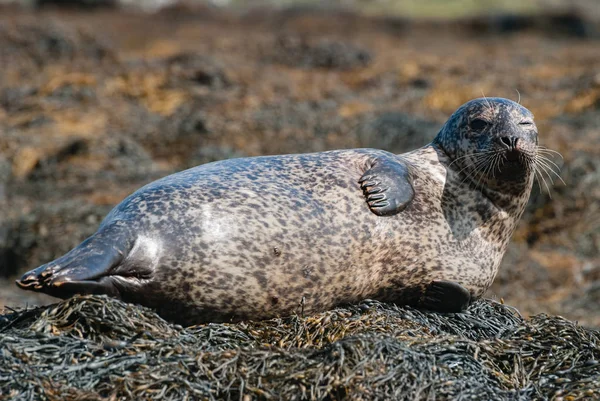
pixel 387 185
pixel 445 296
pixel 85 269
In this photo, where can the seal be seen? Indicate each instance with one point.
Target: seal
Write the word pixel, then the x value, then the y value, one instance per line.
pixel 256 238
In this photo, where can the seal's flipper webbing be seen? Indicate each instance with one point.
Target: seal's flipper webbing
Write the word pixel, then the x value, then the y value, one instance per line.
pixel 81 271
pixel 445 296
pixel 387 185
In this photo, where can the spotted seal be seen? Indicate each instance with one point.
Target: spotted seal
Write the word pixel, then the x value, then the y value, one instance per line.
pixel 255 238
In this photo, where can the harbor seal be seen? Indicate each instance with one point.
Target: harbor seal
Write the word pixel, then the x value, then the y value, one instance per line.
pixel 260 237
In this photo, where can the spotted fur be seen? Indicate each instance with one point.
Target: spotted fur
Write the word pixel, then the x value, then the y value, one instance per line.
pixel 255 238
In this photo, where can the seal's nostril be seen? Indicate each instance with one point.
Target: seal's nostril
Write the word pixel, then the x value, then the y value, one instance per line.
pixel 509 141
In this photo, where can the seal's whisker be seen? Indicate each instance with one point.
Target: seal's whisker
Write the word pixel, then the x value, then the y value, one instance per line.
pixel 486 100
pixel 469 173
pixel 548 160
pixel 522 159
pixel 549 156
pixel 459 158
pixel 543 180
pixel 544 168
pixel 538 181
pixel 519 93
pixel 484 165
pixel 488 167
pixel 476 163
pixel 550 165
pixel 543 149
pixel 547 167
pixel 481 174
pixel 537 178
pixel 483 160
pixel 471 169
pixel 476 154
pixel 494 160
pixel 545 183
pixel 497 164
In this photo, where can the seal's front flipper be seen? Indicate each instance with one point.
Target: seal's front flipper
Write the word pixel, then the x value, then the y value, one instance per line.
pixel 387 185
pixel 445 296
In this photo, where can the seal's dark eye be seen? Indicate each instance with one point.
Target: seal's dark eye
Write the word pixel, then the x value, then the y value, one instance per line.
pixel 478 124
pixel 526 122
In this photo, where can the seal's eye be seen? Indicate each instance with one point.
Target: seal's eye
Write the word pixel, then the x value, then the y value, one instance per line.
pixel 478 124
pixel 526 122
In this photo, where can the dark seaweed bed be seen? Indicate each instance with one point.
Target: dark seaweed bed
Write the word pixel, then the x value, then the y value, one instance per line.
pixel 95 348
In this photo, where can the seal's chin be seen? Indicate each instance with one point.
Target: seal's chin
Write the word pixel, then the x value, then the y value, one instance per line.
pixel 513 171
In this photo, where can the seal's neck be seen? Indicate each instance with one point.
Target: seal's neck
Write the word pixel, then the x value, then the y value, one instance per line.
pixel 513 202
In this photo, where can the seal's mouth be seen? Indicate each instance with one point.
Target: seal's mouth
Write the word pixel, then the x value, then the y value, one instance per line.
pixel 512 165
pixel 501 163
pixel 512 155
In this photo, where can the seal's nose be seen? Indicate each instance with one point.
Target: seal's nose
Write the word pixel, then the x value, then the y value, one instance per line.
pixel 510 142
pixel 511 150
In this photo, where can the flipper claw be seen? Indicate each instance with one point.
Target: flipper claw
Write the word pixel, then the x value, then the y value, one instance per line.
pixel 387 185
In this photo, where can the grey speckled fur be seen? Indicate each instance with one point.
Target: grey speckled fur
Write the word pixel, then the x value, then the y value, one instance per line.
pixel 267 236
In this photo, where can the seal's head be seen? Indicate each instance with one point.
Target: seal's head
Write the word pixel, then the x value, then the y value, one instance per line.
pixel 493 141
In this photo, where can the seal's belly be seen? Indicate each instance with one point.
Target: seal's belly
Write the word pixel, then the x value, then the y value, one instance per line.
pixel 280 242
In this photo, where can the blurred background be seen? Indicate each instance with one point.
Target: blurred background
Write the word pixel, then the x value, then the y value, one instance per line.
pixel 100 97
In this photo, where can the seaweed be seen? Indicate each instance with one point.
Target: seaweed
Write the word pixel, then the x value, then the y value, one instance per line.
pixel 99 348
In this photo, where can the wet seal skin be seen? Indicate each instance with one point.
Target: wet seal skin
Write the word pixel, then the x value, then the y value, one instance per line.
pixel 255 238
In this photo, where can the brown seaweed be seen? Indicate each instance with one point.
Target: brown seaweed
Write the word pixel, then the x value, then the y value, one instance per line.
pixel 97 348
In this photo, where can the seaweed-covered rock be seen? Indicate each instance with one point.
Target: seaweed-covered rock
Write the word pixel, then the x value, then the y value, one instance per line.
pixel 77 4
pixel 211 153
pixel 29 240
pixel 198 69
pixel 94 347
pixel 78 159
pixel 296 51
pixel 396 132
pixel 42 40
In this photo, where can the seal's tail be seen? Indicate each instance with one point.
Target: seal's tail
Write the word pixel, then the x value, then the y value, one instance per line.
pixel 85 269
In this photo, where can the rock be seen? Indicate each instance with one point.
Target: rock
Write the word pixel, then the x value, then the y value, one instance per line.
pixel 45 233
pixel 561 23
pixel 396 132
pixel 5 176
pixel 300 127
pixel 25 161
pixel 213 153
pixel 77 4
pixel 16 240
pixel 13 99
pixel 198 69
pixel 110 158
pixel 42 40
pixel 295 51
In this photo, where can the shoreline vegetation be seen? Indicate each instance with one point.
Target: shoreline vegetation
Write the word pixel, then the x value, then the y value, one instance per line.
pixel 98 348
